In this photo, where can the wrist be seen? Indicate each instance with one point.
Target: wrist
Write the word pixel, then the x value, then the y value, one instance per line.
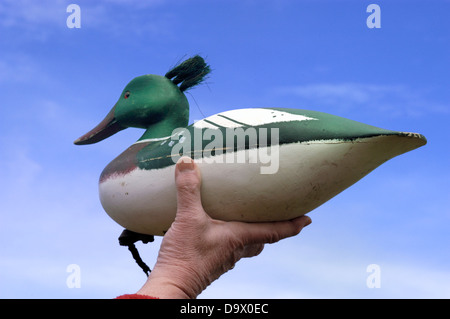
pixel 163 288
pixel 170 283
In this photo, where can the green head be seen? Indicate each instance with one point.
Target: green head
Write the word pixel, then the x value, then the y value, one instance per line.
pixel 153 102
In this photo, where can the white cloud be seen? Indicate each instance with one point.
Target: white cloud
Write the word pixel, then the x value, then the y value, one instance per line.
pixel 41 19
pixel 329 93
pixel 19 13
pixel 393 100
pixel 20 169
pixel 20 68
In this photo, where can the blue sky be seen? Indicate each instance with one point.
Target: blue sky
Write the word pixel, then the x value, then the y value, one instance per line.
pixel 56 83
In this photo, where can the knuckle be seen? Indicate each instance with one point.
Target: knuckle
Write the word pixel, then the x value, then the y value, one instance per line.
pixel 188 185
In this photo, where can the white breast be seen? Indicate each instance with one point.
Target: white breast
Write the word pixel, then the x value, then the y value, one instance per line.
pixel 308 175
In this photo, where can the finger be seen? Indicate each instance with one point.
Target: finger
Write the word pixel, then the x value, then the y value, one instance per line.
pixel 270 232
pixel 252 250
pixel 188 183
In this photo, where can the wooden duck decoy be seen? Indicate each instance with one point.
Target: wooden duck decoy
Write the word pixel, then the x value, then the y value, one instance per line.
pixel 257 164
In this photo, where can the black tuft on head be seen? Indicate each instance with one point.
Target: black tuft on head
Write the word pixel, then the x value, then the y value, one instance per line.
pixel 189 72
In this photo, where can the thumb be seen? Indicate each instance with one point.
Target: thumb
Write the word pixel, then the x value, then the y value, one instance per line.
pixel 188 183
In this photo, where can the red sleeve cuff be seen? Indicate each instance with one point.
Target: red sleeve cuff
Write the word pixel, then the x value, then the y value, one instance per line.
pixel 135 296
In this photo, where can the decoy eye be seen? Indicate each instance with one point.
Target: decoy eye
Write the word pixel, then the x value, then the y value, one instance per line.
pixel 127 94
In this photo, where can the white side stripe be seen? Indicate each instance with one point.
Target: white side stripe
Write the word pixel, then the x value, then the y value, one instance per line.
pixel 250 117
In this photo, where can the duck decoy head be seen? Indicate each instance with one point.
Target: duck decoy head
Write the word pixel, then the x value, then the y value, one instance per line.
pixel 152 101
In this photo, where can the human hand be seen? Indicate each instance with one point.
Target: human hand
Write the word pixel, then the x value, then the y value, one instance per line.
pixel 196 250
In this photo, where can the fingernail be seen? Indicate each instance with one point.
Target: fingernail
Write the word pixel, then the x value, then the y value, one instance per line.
pixel 185 163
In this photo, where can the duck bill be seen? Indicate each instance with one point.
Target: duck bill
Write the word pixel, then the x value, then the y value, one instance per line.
pixel 104 129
